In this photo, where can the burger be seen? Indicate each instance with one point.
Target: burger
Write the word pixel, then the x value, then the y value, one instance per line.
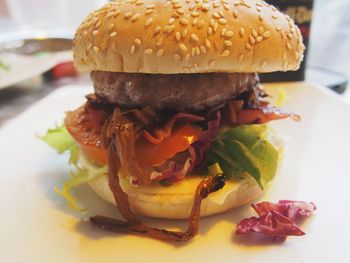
pixel 177 124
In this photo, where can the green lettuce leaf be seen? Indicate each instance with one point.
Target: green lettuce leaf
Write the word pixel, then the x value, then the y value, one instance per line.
pixel 60 140
pixel 246 148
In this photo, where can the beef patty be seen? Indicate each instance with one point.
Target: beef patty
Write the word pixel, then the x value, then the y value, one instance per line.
pixel 180 92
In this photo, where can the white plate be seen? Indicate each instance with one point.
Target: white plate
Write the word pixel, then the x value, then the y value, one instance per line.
pixel 23 67
pixel 36 227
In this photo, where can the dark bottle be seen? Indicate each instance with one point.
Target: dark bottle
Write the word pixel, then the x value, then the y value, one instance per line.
pixel 301 12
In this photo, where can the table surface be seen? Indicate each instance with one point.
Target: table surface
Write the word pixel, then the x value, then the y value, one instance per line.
pixel 23 16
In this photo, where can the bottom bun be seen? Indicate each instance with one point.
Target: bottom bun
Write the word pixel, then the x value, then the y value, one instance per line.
pixel 175 201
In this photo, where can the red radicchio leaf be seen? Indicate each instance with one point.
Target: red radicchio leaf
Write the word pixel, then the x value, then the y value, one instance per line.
pixel 272 224
pixel 290 209
pixel 276 219
pixel 174 172
pixel 199 149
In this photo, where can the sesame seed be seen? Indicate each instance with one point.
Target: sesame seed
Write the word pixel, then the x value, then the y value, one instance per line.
pixel 216 15
pixel 169 29
pixel 283 34
pixel 290 36
pixel 258 9
pixel 228 43
pixel 95 32
pixel 266 34
pixel 225 53
pixel 215 4
pixel 229 33
pixel 96 49
pixel 183 47
pixel 150 6
pixel 205 8
pixel 160 52
pixel 241 31
pixel 203 49
pixel 193 52
pixel 171 21
pixel 210 30
pixel 260 17
pixel 198 51
pixel 157 30
pixel 85 33
pixel 184 33
pixel 159 42
pixel 278 28
pixel 194 37
pixel 207 43
pixel 215 27
pixel 148 51
pixel 259 39
pixel 254 33
pixel 116 13
pixel 178 36
pixel 180 11
pixel 223 32
pixel 135 17
pixel 127 15
pixel 149 11
pixel 111 26
pixel 235 13
pixel 222 21
pixel 149 21
pixel 194 14
pixel 195 21
pixel 109 14
pixel 89 46
pixel 274 16
pixel 139 3
pixel 240 58
pixel 261 30
pixel 289 46
pixel 251 40
pixel 187 57
pixel 192 7
pixel 248 46
pixel 184 21
pixel 174 15
pixel 113 34
pixel 138 41
pixel 177 57
pixel 296 54
pixel 132 49
pixel 227 7
pixel 221 14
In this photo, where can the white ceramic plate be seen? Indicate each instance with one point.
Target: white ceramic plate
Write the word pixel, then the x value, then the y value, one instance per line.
pixel 24 67
pixel 36 227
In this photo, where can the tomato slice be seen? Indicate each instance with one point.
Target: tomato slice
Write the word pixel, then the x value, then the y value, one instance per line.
pixel 149 154
pixel 84 124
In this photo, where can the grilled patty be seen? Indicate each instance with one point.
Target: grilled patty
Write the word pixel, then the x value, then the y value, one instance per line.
pixel 179 92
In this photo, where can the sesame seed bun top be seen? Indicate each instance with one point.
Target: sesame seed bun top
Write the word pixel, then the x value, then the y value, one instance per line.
pixel 188 36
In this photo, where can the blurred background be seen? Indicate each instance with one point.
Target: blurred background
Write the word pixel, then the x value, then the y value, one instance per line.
pixel 53 23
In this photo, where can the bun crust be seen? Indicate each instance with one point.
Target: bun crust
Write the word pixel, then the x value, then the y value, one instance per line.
pixel 175 202
pixel 188 36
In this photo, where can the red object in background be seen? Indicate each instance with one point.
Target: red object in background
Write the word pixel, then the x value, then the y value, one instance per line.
pixel 64 69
